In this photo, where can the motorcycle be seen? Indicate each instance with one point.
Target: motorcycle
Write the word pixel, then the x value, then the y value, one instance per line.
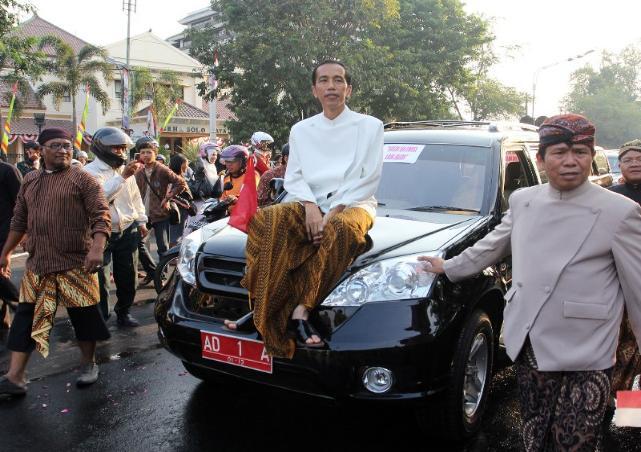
pixel 210 211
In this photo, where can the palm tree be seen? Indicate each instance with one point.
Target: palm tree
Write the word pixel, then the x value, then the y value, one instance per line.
pixel 74 72
pixel 163 89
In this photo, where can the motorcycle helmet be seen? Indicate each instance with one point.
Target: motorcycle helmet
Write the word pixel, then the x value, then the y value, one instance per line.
pixel 146 142
pixel 235 152
pixel 261 137
pixel 205 147
pixel 102 142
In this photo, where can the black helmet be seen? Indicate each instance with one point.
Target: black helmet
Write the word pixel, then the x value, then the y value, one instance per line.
pixel 102 142
pixel 146 142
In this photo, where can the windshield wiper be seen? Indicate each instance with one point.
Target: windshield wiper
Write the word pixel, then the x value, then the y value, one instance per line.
pixel 437 208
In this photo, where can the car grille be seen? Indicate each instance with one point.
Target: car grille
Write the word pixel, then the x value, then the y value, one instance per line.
pixel 221 275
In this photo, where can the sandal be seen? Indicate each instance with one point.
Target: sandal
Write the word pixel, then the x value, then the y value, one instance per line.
pixel 245 324
pixel 305 330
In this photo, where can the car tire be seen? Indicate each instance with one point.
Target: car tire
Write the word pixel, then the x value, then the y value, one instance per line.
pixel 165 270
pixel 463 403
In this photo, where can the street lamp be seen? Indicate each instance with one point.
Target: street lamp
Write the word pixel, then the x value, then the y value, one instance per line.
pixel 547 66
pixel 39 119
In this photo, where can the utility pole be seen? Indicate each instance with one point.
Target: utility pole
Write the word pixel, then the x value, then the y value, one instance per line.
pixel 128 6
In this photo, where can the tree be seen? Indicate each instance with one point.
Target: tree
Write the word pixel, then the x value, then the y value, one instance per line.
pixel 162 90
pixel 74 72
pixel 402 55
pixel 610 96
pixel 21 58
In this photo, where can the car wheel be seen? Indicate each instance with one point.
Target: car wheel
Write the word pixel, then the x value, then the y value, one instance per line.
pixel 464 401
pixel 165 270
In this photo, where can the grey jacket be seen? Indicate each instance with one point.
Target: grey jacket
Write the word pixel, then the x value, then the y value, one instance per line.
pixel 576 256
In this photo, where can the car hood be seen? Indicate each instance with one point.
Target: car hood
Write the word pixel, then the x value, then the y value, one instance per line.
pixel 395 233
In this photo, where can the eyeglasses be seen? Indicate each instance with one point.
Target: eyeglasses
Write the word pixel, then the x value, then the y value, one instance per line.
pixel 630 160
pixel 58 146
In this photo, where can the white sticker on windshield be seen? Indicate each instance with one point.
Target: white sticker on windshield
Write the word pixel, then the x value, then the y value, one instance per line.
pixel 402 153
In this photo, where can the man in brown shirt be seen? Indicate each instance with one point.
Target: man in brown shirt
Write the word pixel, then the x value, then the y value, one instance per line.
pixel 157 185
pixel 65 216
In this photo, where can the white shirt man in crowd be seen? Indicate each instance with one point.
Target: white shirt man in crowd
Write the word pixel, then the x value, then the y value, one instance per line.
pixel 128 220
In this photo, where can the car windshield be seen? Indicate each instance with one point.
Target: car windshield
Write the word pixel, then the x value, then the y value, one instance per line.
pixel 444 177
pixel 614 163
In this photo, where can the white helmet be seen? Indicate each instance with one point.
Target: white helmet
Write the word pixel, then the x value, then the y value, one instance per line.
pixel 259 137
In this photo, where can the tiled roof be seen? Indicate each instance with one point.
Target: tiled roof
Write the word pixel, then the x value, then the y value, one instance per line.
pixel 37 27
pixel 185 110
pixel 26 126
pixel 223 112
pixel 30 101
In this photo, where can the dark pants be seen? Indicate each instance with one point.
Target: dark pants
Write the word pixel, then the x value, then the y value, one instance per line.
pixel 8 293
pixel 122 250
pixel 161 230
pixel 87 323
pixel 561 410
pixel 144 255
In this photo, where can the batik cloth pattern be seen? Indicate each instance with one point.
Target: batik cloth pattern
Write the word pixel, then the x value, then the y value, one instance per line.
pixel 628 364
pixel 285 269
pixel 74 288
pixel 561 411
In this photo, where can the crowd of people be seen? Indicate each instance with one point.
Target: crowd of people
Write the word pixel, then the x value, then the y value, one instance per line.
pixel 85 226
pixel 575 247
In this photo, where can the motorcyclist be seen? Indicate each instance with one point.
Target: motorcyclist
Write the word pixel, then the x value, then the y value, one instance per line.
pixel 206 181
pixel 261 143
pixel 235 158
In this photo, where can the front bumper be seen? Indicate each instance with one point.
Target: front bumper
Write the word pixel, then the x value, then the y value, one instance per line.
pixel 406 337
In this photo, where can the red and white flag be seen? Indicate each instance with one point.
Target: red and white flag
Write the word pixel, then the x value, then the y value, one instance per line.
pixel 247 203
pixel 213 83
pixel 628 412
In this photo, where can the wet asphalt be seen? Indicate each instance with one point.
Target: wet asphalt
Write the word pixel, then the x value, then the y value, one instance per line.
pixel 145 400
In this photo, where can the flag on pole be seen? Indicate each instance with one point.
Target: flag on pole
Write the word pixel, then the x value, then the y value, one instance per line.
pixel 151 122
pixel 171 114
pixel 628 412
pixel 6 131
pixel 247 203
pixel 83 122
pixel 213 82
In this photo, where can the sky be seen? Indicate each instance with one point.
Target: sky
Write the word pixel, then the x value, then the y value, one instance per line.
pixel 539 33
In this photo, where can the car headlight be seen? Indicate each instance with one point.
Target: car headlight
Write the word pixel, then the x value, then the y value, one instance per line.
pixel 399 278
pixel 189 247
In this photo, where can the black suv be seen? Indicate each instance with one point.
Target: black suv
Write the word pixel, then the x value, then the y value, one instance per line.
pixel 393 332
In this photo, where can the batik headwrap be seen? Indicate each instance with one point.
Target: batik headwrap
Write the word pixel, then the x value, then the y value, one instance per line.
pixel 634 145
pixel 569 128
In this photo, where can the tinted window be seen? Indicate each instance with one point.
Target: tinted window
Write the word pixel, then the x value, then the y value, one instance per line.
pixel 443 175
pixel 614 163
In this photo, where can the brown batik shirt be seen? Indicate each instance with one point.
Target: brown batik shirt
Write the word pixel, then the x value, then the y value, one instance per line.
pixel 60 212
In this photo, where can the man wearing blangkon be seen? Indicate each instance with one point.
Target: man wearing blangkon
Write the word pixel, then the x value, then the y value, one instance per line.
pixel 576 256
pixel 297 251
pixel 64 213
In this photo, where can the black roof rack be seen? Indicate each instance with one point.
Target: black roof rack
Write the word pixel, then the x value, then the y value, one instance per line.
pixel 492 126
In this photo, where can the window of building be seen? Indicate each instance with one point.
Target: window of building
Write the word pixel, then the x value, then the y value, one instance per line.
pixel 118 89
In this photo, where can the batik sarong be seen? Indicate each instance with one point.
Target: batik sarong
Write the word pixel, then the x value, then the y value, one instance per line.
pixel 285 269
pixel 628 364
pixel 72 289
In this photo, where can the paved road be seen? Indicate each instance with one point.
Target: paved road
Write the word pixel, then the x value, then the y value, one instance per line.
pixel 145 400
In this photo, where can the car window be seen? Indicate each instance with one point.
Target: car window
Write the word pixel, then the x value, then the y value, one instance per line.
pixel 443 175
pixel 515 174
pixel 614 163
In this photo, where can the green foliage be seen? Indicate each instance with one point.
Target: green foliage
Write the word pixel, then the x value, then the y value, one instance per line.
pixel 403 56
pixel 610 97
pixel 20 57
pixel 163 89
pixel 74 72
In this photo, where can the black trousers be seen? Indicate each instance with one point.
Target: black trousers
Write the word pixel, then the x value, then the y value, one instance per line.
pixel 8 291
pixel 87 323
pixel 145 257
pixel 121 251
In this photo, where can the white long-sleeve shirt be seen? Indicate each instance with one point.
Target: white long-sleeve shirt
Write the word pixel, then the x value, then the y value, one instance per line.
pixel 125 202
pixel 335 161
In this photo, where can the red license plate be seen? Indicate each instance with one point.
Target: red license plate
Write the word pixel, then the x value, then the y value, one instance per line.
pixel 233 350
